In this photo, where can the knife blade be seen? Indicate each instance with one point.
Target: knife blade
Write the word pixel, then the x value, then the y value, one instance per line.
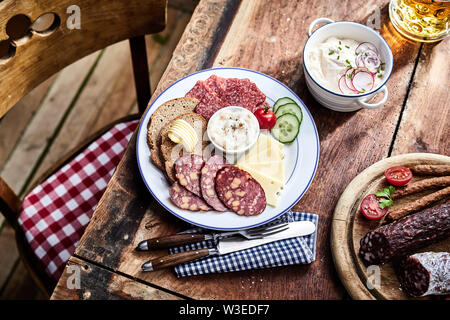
pixel 229 245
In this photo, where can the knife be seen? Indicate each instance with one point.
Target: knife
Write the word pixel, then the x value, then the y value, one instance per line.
pixel 229 245
pixel 187 238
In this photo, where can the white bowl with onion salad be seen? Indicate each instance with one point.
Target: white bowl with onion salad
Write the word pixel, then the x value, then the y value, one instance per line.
pixel 346 64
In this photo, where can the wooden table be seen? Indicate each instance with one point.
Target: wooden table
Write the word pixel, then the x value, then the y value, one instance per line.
pixel 267 36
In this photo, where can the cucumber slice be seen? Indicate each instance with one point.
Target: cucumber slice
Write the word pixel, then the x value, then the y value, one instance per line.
pixel 290 108
pixel 282 101
pixel 287 128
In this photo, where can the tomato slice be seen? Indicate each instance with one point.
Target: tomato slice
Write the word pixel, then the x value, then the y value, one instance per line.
pixel 371 209
pixel 398 176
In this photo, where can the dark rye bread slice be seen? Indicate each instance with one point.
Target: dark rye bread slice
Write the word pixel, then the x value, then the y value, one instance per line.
pixel 171 151
pixel 161 117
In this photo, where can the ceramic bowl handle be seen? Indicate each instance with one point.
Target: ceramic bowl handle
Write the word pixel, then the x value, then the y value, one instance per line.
pixel 366 105
pixel 316 22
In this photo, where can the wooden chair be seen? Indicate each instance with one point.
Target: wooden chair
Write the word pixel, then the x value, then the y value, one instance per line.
pixel 38 39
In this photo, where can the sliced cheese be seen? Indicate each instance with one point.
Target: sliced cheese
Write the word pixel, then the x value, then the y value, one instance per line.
pixel 266 149
pixel 265 163
pixel 273 169
pixel 272 187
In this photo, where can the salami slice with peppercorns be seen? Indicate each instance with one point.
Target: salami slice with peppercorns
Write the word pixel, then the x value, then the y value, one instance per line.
pixel 240 192
pixel 402 237
pixel 426 273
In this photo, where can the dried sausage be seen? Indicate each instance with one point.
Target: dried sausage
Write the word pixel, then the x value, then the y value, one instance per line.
pixel 402 237
pixel 207 182
pixel 417 205
pixel 240 192
pixel 421 185
pixel 188 170
pixel 426 273
pixel 184 199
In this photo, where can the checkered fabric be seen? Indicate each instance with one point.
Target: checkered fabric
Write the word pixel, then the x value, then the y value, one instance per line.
pixel 55 214
pixel 300 250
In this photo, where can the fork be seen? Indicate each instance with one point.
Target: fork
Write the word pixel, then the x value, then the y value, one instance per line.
pixel 187 238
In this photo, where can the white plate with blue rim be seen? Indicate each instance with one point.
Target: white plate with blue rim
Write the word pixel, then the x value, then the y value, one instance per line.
pixel 301 156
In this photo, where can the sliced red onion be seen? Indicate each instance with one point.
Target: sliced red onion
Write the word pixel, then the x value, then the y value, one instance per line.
pixel 364 47
pixel 359 61
pixel 348 79
pixel 363 81
pixel 343 86
pixel 371 61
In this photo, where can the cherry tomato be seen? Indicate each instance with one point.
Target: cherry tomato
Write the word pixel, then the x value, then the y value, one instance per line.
pixel 266 117
pixel 370 208
pixel 398 176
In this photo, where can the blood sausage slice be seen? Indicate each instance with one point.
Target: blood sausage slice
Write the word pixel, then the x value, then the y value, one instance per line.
pixel 184 199
pixel 240 192
pixel 207 182
pixel 188 170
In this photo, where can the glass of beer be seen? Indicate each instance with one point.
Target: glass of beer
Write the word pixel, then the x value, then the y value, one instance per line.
pixel 421 20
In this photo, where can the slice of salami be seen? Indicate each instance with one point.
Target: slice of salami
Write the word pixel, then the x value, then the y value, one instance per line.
pixel 184 199
pixel 426 273
pixel 188 170
pixel 240 192
pixel 207 182
pixel 402 237
pixel 230 91
pixel 251 96
pixel 210 102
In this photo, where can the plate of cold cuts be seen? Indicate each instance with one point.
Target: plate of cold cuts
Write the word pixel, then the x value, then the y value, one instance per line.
pixel 227 148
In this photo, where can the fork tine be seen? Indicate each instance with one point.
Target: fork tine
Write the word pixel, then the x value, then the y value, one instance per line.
pixel 262 235
pixel 259 230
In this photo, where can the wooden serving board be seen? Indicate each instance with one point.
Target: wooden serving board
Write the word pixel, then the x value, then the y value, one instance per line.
pixel 349 226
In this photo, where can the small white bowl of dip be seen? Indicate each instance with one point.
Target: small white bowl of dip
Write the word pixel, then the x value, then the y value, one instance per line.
pixel 233 130
pixel 322 72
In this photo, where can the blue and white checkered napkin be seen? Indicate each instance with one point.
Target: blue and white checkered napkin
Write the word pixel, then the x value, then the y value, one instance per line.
pixel 300 250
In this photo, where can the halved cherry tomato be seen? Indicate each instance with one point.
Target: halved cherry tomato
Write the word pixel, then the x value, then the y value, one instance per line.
pixel 266 117
pixel 370 208
pixel 398 176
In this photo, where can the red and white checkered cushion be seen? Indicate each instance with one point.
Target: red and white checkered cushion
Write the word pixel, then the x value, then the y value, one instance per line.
pixel 55 214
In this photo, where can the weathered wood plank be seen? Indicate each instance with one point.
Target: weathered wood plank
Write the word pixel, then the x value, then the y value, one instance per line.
pixel 96 283
pixel 20 286
pixel 86 108
pixel 14 123
pixel 268 37
pixel 41 129
pixel 9 252
pixel 425 123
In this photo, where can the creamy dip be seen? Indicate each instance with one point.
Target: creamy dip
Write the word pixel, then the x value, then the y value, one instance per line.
pixel 233 129
pixel 329 60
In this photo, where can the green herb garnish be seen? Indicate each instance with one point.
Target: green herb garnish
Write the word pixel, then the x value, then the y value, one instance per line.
pixel 386 197
pixel 338 57
pixel 340 48
pixel 340 42
pixel 331 52
pixel 347 46
pixel 366 54
pixel 379 75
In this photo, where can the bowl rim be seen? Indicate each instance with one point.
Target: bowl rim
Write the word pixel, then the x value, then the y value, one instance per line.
pixel 390 56
pixel 237 151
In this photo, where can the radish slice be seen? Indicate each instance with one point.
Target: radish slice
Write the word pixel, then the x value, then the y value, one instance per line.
pixel 364 47
pixel 363 81
pixel 343 86
pixel 348 79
